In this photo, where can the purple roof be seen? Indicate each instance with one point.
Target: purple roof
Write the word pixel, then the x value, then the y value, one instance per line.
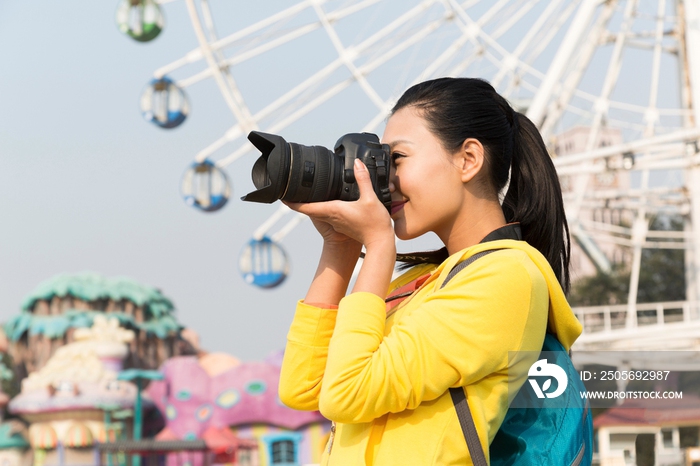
pixel 191 400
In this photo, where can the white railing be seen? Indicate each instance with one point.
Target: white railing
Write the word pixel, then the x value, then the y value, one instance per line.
pixel 614 319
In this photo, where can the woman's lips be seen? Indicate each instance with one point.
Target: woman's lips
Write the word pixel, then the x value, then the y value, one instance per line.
pixel 396 206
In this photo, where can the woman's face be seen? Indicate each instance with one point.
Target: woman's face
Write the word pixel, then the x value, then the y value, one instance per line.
pixel 427 192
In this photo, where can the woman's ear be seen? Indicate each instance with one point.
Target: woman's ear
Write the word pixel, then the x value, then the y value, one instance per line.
pixel 470 159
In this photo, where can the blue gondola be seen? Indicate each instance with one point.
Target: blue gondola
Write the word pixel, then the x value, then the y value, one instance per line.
pixel 263 263
pixel 205 186
pixel 164 104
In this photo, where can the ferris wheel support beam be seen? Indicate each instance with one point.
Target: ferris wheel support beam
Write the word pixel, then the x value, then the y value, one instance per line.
pixel 572 40
pixel 230 93
pixel 652 114
pixel 601 109
pixel 684 135
pixel 639 236
pixel 689 11
pixel 569 88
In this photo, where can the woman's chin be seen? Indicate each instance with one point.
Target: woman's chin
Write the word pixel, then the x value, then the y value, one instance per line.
pixel 401 232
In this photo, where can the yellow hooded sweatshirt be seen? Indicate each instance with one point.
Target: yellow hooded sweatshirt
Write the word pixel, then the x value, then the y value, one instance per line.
pixel 384 380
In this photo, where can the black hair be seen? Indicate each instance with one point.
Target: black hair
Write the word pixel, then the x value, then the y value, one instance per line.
pixel 460 108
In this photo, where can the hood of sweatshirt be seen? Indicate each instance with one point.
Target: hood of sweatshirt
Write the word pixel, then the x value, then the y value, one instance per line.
pixel 561 321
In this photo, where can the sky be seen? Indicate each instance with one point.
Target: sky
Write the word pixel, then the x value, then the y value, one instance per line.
pixel 87 184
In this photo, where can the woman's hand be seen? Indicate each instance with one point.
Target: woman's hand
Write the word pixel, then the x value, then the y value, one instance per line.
pixel 364 221
pixel 345 227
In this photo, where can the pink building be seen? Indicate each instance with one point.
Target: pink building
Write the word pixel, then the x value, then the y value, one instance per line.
pixel 198 396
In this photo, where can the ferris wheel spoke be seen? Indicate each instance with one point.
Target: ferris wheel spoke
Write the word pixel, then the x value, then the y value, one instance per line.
pixel 348 58
pixel 687 135
pixel 230 135
pixel 569 87
pixel 359 49
pixel 511 18
pixel 614 65
pixel 288 120
pixel 467 36
pixel 601 108
pixel 220 44
pixel 526 42
pixel 490 47
pixel 249 30
pixel 197 54
pixel 320 99
pixel 561 60
pixel 266 47
pixel 288 227
pixel 229 92
pixel 474 28
pixel 651 116
pixel 190 57
pixel 245 148
pixel 208 20
pixel 262 230
pixel 549 31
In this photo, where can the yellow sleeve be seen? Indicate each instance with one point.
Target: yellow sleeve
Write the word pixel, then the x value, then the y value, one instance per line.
pixel 457 336
pixel 307 349
pixel 305 356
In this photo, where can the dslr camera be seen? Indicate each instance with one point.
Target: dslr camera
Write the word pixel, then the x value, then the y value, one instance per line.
pixel 296 173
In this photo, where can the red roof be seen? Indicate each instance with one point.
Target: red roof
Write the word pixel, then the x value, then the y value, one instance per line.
pixel 652 413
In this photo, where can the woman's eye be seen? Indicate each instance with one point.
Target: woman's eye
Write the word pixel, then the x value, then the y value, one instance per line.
pixel 395 155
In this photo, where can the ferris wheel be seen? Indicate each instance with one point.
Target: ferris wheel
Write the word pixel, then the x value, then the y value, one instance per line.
pixel 613 85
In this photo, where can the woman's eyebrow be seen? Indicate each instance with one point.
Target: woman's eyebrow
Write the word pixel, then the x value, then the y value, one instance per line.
pixel 393 144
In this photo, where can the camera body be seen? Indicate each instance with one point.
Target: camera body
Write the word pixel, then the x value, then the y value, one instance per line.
pixel 297 173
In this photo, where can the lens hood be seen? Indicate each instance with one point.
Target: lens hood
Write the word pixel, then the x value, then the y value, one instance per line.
pixel 271 170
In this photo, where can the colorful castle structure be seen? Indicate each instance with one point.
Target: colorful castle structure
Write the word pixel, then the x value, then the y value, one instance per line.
pixel 63 401
pixel 57 307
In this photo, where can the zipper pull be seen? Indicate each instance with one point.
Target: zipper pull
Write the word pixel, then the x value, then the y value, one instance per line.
pixel 332 436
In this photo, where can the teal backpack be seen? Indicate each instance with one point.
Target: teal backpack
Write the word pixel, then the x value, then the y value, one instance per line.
pixel 536 431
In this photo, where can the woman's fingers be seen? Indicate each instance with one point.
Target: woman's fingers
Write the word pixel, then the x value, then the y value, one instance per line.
pixel 315 209
pixel 364 182
pixel 362 220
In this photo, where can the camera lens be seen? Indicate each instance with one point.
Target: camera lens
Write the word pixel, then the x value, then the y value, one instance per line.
pixel 293 172
pixel 313 169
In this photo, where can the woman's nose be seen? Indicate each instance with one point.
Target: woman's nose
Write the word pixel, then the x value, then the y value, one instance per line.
pixel 392 187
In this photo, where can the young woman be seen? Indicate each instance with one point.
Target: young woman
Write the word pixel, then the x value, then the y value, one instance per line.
pixel 380 369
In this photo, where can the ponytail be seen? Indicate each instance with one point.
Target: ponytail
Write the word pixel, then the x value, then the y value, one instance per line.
pixel 534 199
pixel 460 108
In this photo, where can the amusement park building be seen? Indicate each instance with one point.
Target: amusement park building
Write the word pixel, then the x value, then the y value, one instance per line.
pixel 198 394
pixel 574 141
pixel 57 307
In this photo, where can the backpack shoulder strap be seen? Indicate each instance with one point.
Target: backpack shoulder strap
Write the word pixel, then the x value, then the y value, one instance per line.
pixel 462 265
pixel 466 421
